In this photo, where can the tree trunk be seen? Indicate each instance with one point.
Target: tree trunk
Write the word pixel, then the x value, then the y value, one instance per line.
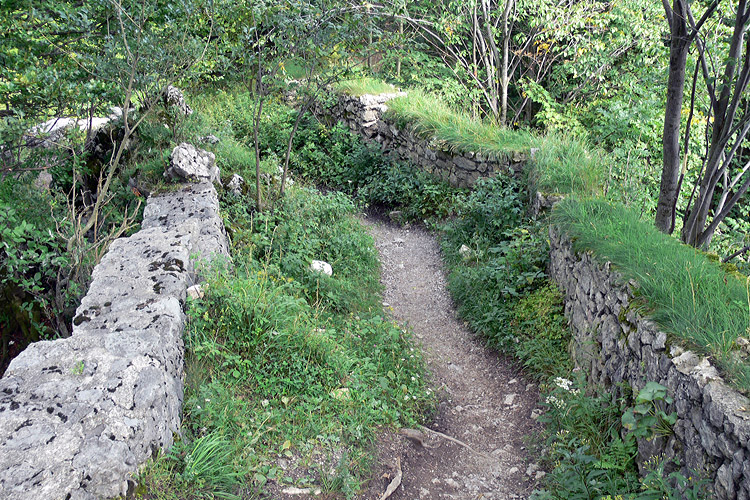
pixel 400 48
pixel 256 126
pixel 678 51
pixel 504 79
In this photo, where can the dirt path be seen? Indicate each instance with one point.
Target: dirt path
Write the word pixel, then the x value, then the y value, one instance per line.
pixel 485 401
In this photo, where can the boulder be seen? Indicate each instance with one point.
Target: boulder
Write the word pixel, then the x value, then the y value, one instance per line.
pixel 174 97
pixel 190 163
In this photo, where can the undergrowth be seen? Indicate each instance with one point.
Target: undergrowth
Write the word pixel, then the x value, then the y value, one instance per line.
pixel 335 158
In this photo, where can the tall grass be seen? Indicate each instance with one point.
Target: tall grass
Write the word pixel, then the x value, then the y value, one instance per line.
pixel 365 85
pixel 432 118
pixel 692 297
pixel 566 165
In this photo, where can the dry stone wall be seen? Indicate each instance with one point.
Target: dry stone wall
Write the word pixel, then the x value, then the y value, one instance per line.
pixel 79 415
pixel 366 116
pixel 615 344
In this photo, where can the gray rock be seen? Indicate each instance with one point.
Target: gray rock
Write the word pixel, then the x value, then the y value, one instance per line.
pixel 190 163
pixel 320 266
pixel 209 139
pixel 174 97
pixel 43 181
pixel 235 184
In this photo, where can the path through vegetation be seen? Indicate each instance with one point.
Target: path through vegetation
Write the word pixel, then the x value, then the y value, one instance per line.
pixel 485 402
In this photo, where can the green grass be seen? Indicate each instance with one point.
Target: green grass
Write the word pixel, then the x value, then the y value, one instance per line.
pixel 566 165
pixel 692 297
pixel 365 85
pixel 561 165
pixel 431 118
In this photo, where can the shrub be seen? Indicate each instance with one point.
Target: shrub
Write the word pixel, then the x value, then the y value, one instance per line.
pixel 542 333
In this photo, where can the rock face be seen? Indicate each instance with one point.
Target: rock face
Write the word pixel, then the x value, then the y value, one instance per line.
pixel 190 163
pixel 614 344
pixel 365 116
pixel 79 415
pixel 174 97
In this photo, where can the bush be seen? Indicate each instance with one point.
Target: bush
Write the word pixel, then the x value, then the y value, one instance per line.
pixel 488 212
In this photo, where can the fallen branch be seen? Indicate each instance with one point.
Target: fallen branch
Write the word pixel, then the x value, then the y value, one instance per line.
pixel 395 483
pixel 457 441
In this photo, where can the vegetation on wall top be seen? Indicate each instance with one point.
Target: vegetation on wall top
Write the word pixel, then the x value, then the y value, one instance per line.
pixel 692 297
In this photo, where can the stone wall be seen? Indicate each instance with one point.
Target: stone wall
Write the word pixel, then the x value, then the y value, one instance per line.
pixel 615 344
pixel 365 115
pixel 79 415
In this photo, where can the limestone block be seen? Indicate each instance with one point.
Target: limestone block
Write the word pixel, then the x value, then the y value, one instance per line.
pixel 190 163
pixel 174 97
pixel 79 415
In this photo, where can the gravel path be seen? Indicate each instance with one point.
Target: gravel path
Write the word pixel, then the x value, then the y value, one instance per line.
pixel 485 401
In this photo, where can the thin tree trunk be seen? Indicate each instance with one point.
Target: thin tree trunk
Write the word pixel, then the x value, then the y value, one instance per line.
pixel 504 79
pixel 400 48
pixel 670 175
pixel 256 126
pixel 290 142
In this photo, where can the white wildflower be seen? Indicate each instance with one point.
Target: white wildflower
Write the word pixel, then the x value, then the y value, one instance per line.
pixel 553 401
